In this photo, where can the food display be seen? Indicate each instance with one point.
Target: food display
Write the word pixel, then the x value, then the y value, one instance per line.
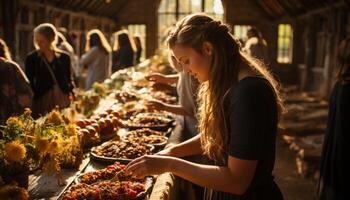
pixel 156 121
pixel 161 96
pixel 105 190
pixel 146 135
pixel 123 151
pixel 115 172
pixel 125 96
pixel 131 109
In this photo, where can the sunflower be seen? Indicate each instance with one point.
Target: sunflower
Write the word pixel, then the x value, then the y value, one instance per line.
pixel 41 144
pixel 54 147
pixel 15 151
pixel 13 192
pixel 27 112
pixel 71 129
pixel 14 121
pixel 54 117
pixel 52 166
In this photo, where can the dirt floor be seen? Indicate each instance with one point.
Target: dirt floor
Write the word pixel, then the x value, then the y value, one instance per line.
pixel 292 185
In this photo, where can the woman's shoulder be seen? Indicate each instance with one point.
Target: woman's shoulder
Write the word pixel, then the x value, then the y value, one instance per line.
pixel 32 55
pixel 253 84
pixel 62 53
pixel 251 87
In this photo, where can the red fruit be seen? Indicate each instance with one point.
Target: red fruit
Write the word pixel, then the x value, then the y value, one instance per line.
pixel 103 114
pixel 81 123
pixel 96 126
pixel 108 121
pixel 109 110
pixel 116 114
pixel 132 193
pixel 93 121
pixel 84 131
pixel 87 122
pixel 91 129
pixel 102 123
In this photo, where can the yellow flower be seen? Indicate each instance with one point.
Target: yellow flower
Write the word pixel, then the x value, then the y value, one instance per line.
pixel 54 147
pixel 12 121
pixel 51 166
pixel 27 112
pixel 52 132
pixel 71 129
pixel 12 191
pixel 54 117
pixel 15 151
pixel 41 144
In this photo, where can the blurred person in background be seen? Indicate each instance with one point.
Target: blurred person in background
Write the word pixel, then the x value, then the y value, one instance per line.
pixel 49 72
pixel 139 49
pixel 15 91
pixel 256 45
pixel 123 50
pixel 334 168
pixel 63 45
pixel 97 58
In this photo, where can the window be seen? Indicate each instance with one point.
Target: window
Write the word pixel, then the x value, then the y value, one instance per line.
pixel 240 31
pixel 140 31
pixel 285 43
pixel 170 11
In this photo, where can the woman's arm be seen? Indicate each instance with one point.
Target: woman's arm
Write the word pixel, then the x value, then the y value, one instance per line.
pixel 234 178
pixel 187 148
pixel 88 57
pixel 29 68
pixel 158 105
pixel 165 79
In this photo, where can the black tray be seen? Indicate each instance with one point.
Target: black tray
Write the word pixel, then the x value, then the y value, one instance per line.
pixel 149 182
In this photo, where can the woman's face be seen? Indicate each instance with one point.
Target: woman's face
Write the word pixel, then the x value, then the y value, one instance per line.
pixel 196 64
pixel 42 42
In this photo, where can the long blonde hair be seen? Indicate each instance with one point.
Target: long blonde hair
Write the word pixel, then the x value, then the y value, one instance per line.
pixel 96 38
pixel 49 31
pixel 4 50
pixel 192 31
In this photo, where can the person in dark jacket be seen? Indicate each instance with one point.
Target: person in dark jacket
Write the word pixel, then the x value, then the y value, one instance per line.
pixel 138 45
pixel 123 51
pixel 334 169
pixel 15 91
pixel 49 72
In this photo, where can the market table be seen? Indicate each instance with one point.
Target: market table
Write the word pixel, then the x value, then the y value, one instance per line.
pixel 43 186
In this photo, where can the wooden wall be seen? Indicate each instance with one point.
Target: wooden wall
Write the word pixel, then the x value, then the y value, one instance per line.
pixel 20 17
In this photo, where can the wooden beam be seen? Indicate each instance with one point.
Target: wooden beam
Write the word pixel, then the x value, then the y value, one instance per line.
pixel 322 10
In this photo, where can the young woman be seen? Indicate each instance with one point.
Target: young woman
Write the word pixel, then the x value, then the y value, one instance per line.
pixel 335 158
pixel 49 72
pixel 239 110
pixel 98 58
pixel 15 91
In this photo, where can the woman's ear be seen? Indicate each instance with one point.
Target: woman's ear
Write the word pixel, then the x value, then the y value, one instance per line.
pixel 208 48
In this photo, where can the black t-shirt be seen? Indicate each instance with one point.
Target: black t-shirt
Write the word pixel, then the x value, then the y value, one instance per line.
pixel 251 119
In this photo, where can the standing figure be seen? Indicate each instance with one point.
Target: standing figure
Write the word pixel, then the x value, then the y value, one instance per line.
pixel 97 58
pixel 49 72
pixel 334 169
pixel 15 91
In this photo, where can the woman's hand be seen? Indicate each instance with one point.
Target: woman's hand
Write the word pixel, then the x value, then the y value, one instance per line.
pixel 158 78
pixel 155 105
pixel 148 165
pixel 165 152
